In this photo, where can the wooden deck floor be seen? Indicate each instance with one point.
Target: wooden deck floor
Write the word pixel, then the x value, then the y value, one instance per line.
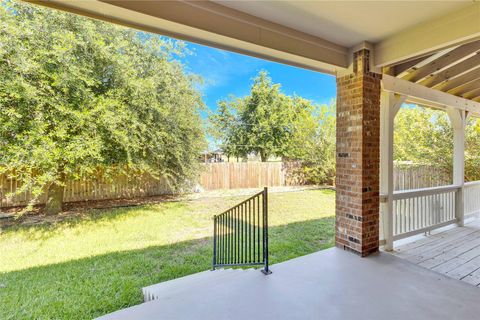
pixel 454 252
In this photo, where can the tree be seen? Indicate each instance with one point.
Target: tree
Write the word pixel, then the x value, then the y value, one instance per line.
pixel 224 127
pixel 425 136
pixel 77 93
pixel 472 149
pixel 266 122
pixel 319 165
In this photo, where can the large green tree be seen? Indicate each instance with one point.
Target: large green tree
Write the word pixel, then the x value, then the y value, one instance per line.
pixel 319 160
pixel 266 122
pixel 77 93
pixel 425 136
pixel 472 149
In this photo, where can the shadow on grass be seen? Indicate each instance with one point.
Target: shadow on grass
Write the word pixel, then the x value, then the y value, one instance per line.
pixel 90 287
pixel 49 228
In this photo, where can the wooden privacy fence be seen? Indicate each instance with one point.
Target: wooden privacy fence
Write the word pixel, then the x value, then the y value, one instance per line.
pixel 273 174
pixel 214 176
pixel 237 175
pixel 419 176
pixel 96 187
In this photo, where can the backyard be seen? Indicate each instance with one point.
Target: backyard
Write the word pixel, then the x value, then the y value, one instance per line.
pixel 97 262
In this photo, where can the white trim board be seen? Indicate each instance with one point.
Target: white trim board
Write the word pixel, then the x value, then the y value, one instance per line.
pixel 214 25
pixel 422 95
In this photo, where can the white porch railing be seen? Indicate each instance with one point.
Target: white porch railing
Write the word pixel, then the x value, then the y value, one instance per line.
pixel 421 210
pixel 471 191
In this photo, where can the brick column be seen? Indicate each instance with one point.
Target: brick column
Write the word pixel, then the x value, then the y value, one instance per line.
pixel 358 158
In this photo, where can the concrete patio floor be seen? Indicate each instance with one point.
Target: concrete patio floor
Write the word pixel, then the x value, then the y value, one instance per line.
pixel 330 284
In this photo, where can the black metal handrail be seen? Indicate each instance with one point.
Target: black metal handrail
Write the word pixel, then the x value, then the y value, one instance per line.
pixel 240 234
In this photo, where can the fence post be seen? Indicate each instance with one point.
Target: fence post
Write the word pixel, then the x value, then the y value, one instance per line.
pixel 214 242
pixel 266 270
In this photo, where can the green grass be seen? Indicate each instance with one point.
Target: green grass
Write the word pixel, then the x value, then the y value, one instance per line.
pixel 88 266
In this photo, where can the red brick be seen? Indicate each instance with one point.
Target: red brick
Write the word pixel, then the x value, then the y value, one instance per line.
pixel 358 158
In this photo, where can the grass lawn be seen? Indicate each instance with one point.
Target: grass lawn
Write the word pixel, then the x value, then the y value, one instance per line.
pixel 87 266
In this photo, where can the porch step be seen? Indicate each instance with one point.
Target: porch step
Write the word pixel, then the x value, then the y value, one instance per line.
pixel 167 289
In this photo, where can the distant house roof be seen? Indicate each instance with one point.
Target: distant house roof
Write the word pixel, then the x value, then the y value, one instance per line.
pixel 216 151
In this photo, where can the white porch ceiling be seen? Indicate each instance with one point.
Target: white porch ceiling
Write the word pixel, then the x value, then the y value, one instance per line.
pixel 347 23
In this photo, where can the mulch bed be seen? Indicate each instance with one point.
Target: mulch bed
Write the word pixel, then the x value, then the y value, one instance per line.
pixel 9 216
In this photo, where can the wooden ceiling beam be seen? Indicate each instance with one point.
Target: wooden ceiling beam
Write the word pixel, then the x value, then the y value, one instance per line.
pixel 401 68
pixel 470 86
pixel 472 94
pixel 460 80
pixel 452 72
pixel 427 96
pixel 443 62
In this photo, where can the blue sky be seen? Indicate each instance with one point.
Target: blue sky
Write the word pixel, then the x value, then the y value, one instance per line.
pixel 228 73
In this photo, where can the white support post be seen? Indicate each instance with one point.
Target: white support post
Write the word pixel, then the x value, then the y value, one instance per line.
pixel 390 103
pixel 458 121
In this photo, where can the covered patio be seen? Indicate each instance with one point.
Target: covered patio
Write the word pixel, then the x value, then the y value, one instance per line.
pixel 383 54
pixel 330 284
